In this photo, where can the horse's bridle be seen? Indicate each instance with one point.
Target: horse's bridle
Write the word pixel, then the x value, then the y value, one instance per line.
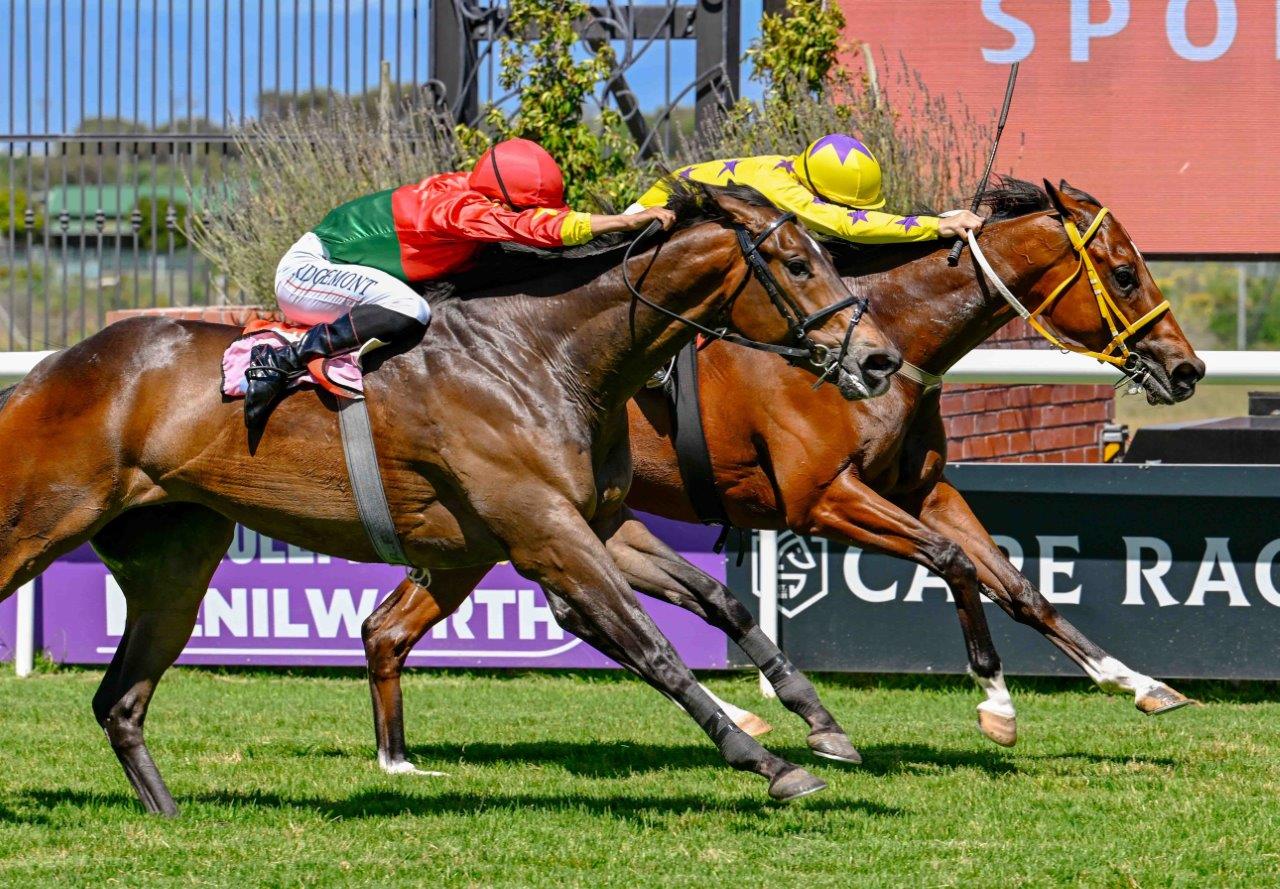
pixel 1117 351
pixel 798 323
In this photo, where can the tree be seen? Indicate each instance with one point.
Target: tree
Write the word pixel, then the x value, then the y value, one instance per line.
pixel 598 158
pixel 13 213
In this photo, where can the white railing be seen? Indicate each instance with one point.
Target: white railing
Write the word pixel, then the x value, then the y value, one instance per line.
pixel 19 364
pixel 1048 366
pixel 1015 366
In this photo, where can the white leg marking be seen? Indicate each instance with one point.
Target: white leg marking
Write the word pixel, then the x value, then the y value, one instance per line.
pixel 1111 675
pixel 406 768
pixel 998 700
pixel 737 714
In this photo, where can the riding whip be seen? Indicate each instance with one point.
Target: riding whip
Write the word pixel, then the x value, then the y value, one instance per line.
pixel 954 256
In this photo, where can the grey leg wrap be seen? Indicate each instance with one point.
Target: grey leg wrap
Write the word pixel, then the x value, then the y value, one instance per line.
pixel 794 689
pixel 737 747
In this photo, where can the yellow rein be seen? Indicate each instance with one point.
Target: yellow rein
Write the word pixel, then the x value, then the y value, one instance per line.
pixel 1121 327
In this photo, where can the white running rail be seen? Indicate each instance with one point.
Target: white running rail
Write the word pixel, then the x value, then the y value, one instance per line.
pixel 981 366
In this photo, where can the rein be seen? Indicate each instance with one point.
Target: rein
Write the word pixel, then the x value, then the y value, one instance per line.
pixel 798 323
pixel 1117 351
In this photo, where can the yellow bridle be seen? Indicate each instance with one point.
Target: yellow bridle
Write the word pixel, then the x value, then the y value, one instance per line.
pixel 1117 350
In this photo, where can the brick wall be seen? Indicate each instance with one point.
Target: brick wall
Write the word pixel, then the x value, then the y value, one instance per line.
pixel 1025 424
pixel 1021 424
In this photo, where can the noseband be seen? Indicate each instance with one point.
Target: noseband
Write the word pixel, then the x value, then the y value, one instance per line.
pixel 824 358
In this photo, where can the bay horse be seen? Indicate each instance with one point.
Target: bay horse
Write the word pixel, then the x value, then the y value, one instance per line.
pixel 869 474
pixel 502 436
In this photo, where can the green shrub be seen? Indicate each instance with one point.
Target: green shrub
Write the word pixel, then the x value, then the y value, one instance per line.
pixel 598 157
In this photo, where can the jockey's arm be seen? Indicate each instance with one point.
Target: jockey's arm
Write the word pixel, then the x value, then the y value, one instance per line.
pixel 472 217
pixel 859 226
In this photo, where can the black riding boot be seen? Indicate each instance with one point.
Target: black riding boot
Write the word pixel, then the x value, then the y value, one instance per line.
pixel 271 368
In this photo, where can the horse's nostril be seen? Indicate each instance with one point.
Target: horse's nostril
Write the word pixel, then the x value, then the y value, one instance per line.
pixel 881 363
pixel 1187 373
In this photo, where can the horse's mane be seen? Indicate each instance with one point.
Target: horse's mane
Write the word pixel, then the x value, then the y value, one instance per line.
pixel 507 263
pixel 1010 198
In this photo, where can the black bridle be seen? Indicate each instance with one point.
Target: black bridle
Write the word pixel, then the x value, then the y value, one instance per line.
pixel 806 351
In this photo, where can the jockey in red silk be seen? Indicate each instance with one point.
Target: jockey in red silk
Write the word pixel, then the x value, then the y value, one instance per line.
pixel 352 276
pixel 833 187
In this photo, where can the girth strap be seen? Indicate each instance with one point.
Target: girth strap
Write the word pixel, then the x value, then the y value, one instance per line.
pixel 366 481
pixel 692 455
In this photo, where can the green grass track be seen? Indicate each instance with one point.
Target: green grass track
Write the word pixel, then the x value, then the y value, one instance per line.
pixel 594 780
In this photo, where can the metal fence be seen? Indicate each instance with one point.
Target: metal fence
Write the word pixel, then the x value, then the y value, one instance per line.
pixel 118 114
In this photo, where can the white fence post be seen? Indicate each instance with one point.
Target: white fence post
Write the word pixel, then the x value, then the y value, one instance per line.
pixel 767 563
pixel 24 646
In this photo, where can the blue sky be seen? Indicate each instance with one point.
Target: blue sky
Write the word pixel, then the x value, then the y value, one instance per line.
pixel 157 60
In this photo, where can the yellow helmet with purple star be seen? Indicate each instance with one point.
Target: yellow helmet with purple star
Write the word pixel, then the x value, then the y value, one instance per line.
pixel 840 169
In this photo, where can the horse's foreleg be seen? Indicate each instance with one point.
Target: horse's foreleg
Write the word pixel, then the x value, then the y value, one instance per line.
pixel 588 592
pixel 389 634
pixel 850 512
pixel 163 558
pixel 654 568
pixel 946 511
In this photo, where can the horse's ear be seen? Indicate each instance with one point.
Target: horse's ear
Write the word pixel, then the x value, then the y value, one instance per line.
pixel 738 210
pixel 1055 197
pixel 1076 195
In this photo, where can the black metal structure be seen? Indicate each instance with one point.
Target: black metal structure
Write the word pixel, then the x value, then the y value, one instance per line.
pixel 465 35
pixel 116 114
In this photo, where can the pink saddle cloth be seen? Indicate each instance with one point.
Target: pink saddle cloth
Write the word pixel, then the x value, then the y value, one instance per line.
pixel 341 375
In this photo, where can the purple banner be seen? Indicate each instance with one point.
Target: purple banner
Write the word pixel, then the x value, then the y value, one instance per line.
pixel 274 604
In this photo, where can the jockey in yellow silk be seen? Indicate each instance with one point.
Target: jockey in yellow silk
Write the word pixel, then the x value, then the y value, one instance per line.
pixel 833 187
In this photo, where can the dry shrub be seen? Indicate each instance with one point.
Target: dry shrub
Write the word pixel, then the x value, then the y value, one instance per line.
pixel 295 168
pixel 931 150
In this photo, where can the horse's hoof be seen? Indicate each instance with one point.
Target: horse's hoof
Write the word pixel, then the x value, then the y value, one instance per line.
pixel 793 784
pixel 753 725
pixel 1163 699
pixel 834 745
pixel 404 767
pixel 1001 729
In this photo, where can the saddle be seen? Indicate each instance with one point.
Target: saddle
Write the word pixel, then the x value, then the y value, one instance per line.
pixel 341 376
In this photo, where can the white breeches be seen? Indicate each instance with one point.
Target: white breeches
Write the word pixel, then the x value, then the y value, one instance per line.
pixel 313 290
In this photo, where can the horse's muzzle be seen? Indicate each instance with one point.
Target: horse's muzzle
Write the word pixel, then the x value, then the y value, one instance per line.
pixel 1169 381
pixel 865 373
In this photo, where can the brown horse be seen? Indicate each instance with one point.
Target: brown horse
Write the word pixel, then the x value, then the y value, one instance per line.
pixel 868 474
pixel 504 436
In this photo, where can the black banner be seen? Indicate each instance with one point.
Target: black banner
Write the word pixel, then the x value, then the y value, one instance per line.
pixel 1173 569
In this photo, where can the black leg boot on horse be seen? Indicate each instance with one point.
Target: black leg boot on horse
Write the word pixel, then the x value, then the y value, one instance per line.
pixel 272 368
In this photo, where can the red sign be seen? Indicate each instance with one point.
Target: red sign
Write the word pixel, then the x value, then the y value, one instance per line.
pixel 1166 110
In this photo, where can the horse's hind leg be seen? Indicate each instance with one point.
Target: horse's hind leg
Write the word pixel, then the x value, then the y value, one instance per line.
pixel 389 634
pixel 163 558
pixel 583 584
pixel 654 568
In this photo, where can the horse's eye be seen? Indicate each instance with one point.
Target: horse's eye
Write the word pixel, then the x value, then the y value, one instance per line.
pixel 1126 278
pixel 798 268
